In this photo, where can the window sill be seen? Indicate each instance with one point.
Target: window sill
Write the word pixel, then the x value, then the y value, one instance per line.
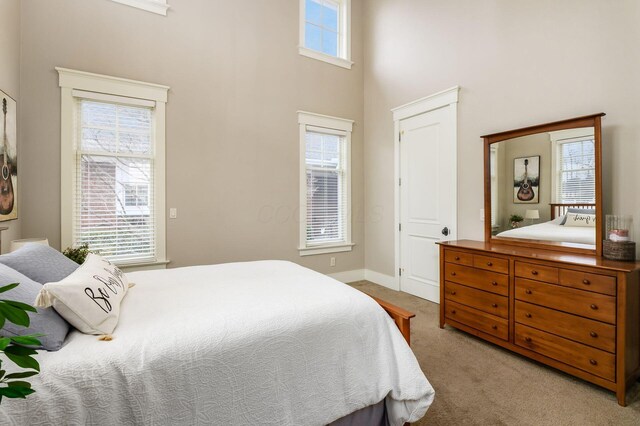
pixel 143 266
pixel 155 6
pixel 324 249
pixel 313 54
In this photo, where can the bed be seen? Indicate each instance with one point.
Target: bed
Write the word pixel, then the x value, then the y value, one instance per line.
pixel 267 342
pixel 552 231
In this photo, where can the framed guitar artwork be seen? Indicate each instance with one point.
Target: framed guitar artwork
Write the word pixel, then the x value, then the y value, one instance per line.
pixel 526 180
pixel 8 158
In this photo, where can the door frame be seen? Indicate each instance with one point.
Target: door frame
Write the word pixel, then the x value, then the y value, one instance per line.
pixel 445 98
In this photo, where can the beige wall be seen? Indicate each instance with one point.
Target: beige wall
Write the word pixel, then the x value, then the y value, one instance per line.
pixel 518 63
pixel 232 133
pixel 10 84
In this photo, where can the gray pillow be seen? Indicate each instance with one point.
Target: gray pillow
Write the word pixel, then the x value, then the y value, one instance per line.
pixel 39 262
pixel 46 321
pixel 569 210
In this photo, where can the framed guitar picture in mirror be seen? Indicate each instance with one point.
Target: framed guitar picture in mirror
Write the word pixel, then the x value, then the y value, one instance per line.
pixel 526 180
pixel 8 158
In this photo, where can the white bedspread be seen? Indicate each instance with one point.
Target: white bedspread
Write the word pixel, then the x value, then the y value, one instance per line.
pixel 256 343
pixel 550 231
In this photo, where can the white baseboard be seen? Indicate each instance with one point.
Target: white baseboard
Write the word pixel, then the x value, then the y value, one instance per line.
pixel 366 274
pixel 381 279
pixel 349 276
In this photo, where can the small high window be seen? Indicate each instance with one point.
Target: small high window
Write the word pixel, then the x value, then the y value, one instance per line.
pixel 325 31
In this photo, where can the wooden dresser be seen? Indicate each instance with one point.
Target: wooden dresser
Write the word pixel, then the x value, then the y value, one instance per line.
pixel 577 313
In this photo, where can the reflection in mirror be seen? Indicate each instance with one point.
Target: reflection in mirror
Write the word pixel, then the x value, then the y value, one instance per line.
pixel 543 187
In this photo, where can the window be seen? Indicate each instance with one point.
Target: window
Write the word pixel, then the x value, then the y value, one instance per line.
pixel 325 184
pixel 325 32
pixel 156 6
pixel 495 191
pixel 575 166
pixel 113 167
pixel 136 194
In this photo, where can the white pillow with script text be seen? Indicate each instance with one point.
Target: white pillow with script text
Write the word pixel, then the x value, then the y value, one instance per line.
pixel 89 298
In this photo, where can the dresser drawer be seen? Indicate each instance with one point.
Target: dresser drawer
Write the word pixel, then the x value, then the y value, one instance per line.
pixel 481 300
pixel 594 361
pixel 537 272
pixel 584 303
pixel 458 257
pixel 479 320
pixel 491 263
pixel 590 282
pixel 583 330
pixel 477 278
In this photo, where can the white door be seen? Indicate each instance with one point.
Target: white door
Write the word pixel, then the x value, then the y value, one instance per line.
pixel 427 198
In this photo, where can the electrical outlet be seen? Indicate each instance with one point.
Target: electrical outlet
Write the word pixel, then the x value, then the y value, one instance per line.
pixel 173 213
pixel 333 261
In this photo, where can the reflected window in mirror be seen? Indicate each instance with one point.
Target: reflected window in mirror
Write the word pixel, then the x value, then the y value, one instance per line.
pixel 495 220
pixel 574 166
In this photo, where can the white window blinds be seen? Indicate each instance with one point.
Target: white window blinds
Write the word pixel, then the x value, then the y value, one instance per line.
pixel 576 171
pixel 326 197
pixel 114 167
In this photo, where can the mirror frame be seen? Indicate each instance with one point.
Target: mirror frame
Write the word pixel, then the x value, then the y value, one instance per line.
pixel 594 121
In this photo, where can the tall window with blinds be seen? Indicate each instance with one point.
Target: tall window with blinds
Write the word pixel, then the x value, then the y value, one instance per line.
pixel 575 171
pixel 114 189
pixel 325 184
pixel 326 188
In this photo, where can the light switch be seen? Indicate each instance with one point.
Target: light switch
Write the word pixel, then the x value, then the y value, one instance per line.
pixel 482 215
pixel 173 213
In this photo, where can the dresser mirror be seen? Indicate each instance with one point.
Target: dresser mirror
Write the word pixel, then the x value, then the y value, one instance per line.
pixel 543 186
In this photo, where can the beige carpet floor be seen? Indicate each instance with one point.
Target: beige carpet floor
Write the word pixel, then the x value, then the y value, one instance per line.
pixel 478 383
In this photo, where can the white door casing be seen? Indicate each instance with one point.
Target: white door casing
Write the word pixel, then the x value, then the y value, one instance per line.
pixel 426 191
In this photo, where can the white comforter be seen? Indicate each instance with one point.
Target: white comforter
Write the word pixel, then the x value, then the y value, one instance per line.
pixel 551 231
pixel 257 343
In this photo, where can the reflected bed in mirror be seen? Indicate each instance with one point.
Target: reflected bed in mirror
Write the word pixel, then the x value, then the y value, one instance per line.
pixel 543 183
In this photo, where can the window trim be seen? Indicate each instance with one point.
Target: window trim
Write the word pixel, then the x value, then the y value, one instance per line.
pixel 330 123
pixel 155 6
pixel 558 138
pixel 103 86
pixel 345 28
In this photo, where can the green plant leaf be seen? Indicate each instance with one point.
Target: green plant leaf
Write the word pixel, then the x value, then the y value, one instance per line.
pixel 2 374
pixel 1 321
pixel 4 342
pixel 20 305
pixel 8 287
pixel 19 350
pixel 14 315
pixel 22 375
pixel 24 361
pixel 19 383
pixel 15 391
pixel 26 340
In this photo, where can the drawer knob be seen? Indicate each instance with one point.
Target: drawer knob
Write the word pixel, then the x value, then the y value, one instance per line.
pixel 494 283
pixel 453 293
pixel 593 334
pixel 593 362
pixel 527 339
pixel 453 311
pixel 494 305
pixel 457 257
pixel 489 264
pixel 528 315
pixel 453 274
pixel 586 282
pixel 528 291
pixel 534 272
pixel 495 327
pixel 594 307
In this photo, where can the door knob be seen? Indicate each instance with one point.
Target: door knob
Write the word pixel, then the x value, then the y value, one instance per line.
pixel 445 231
